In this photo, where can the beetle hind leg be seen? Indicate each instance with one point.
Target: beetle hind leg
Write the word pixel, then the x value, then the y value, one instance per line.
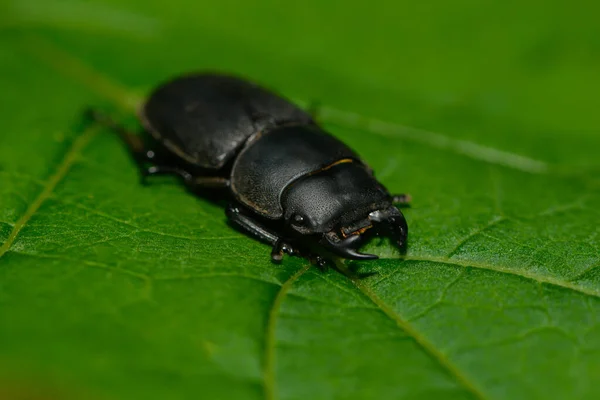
pixel 134 142
pixel 149 162
pixel 140 152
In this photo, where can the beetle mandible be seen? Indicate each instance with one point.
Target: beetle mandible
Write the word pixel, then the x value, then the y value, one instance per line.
pixel 290 183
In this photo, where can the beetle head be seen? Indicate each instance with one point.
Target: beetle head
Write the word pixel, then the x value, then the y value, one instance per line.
pixel 340 208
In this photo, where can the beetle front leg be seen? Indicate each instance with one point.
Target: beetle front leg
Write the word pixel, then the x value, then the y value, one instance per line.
pixel 255 229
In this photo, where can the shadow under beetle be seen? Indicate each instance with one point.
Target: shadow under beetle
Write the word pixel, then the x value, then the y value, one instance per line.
pixel 291 184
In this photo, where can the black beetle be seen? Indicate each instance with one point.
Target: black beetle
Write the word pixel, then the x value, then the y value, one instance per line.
pixel 291 184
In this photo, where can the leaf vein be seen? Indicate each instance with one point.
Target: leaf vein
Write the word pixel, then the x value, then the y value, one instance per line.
pixel 419 339
pixel 269 356
pixel 437 140
pixel 98 265
pixel 493 222
pixel 60 172
pixel 210 275
pixel 139 229
pixel 441 298
pixel 504 270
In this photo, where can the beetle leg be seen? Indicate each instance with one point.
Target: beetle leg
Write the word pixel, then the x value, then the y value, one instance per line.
pixel 141 154
pixel 402 199
pixel 193 183
pixel 321 263
pixel 277 251
pixel 215 182
pixel 133 141
pixel 164 170
pixel 248 225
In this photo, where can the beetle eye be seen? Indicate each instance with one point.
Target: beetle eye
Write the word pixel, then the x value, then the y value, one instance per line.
pixel 298 219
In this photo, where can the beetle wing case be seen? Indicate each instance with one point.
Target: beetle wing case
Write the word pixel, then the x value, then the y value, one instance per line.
pixel 206 118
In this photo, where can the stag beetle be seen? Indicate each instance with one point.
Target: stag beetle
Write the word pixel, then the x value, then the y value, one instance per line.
pixel 290 183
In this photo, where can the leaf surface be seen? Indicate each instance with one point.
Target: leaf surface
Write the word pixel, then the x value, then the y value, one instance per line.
pixel 110 289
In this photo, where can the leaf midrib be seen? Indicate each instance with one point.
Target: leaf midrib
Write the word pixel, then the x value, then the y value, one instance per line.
pixel 60 171
pixel 541 279
pixel 419 339
pixel 270 390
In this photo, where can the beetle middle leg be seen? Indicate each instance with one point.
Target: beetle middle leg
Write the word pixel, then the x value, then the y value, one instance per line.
pixel 165 170
pixel 193 183
pixel 249 225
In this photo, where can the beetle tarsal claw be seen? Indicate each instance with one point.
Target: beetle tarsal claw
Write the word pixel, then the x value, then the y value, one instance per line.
pixel 347 248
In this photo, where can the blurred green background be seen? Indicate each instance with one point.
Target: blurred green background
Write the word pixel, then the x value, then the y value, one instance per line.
pixel 486 112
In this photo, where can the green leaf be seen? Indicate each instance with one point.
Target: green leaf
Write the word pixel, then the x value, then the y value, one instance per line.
pixel 486 115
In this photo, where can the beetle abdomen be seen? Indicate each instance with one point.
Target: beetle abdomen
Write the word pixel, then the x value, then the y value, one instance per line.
pixel 273 161
pixel 206 118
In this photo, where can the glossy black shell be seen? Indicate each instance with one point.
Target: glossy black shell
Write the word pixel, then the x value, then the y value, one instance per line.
pixel 273 161
pixel 206 118
pixel 264 145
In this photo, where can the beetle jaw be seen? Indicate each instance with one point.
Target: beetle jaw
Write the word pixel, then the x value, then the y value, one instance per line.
pixel 346 247
pixel 390 222
pixel 346 241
